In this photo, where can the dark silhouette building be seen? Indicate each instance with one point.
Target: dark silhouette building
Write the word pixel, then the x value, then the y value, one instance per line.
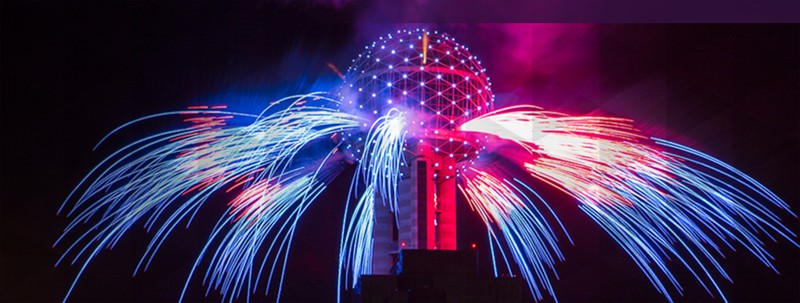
pixel 440 276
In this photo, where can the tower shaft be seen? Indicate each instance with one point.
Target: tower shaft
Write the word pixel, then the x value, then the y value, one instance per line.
pixel 426 214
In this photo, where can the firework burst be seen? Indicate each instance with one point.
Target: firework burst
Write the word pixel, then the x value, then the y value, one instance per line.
pixel 418 91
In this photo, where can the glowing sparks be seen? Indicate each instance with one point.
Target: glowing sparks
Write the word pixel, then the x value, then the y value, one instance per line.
pixel 272 214
pixel 178 171
pixel 658 204
pixel 664 203
pixel 511 217
pixel 380 170
pixel 335 70
pixel 355 252
pixel 383 155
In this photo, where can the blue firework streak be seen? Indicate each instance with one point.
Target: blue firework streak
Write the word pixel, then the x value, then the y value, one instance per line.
pixel 665 204
pixel 164 179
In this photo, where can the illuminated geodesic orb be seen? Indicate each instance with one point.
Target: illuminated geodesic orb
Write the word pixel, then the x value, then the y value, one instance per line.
pixel 430 77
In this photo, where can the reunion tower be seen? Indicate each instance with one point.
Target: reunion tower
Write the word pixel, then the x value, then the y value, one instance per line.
pixel 440 85
pixel 414 113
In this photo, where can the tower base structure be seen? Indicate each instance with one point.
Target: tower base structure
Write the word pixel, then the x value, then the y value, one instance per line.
pixel 425 218
pixel 440 276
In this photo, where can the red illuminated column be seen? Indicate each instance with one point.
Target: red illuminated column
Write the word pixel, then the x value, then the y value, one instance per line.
pixel 426 214
pixel 434 218
pixel 445 224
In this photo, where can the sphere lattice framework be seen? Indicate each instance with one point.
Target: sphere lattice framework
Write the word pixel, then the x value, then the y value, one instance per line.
pixel 428 76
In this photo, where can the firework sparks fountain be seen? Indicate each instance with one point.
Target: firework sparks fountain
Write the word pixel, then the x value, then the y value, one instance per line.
pixel 415 113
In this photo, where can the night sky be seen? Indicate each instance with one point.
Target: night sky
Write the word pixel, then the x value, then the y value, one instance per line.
pixel 73 71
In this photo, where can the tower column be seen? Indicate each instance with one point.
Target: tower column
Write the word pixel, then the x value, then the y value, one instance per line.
pixel 446 232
